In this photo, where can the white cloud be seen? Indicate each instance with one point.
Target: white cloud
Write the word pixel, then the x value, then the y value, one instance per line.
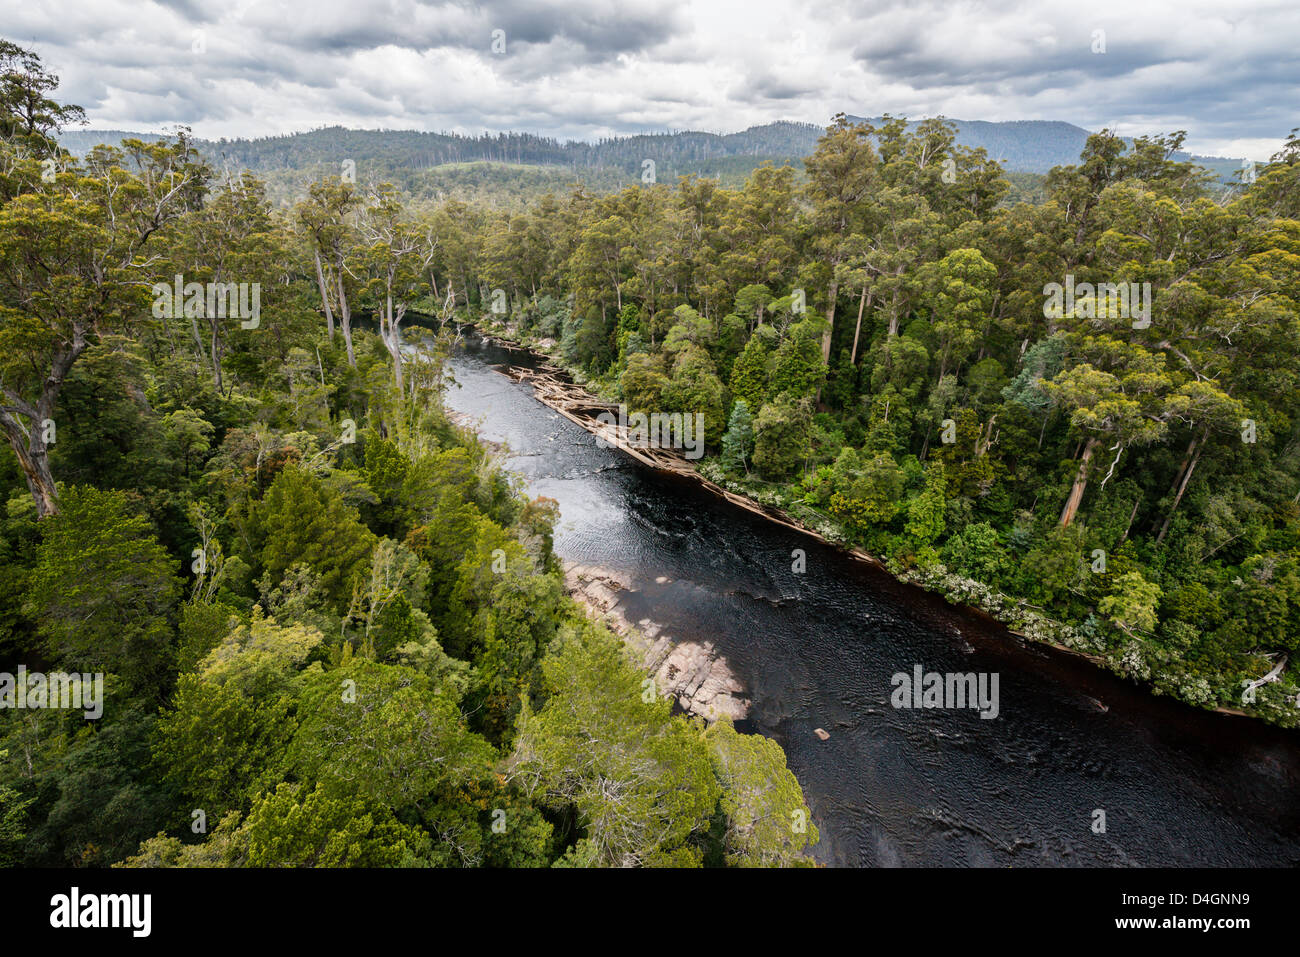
pixel 587 68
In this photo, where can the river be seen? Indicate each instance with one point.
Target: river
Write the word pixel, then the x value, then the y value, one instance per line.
pixel 901 787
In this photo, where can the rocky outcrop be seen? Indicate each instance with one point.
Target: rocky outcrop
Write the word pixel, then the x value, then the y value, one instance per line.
pixel 691 672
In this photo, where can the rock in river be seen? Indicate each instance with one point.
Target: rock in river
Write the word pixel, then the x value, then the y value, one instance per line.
pixel 692 672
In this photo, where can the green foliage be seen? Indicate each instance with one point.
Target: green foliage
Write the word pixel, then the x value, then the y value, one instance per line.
pixel 749 373
pixel 385 733
pixel 781 434
pixel 977 551
pixel 103 588
pixel 221 746
pixel 925 512
pixel 596 728
pixel 868 493
pixel 738 442
pixel 303 520
pixel 768 823
pixel 295 827
pixel 1132 603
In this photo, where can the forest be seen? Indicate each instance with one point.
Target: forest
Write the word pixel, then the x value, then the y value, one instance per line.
pixel 330 629
pixel 876 352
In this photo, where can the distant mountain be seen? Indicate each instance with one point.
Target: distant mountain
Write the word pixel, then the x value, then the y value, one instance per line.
pixel 417 150
pixel 435 164
pixel 1027 146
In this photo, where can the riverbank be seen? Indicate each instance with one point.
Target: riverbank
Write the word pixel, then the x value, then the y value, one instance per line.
pixel 554 387
pixel 893 786
pixel 690 672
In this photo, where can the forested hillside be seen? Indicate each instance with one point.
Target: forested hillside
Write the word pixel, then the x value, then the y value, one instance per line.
pixel 331 630
pixel 893 357
pixel 1021 146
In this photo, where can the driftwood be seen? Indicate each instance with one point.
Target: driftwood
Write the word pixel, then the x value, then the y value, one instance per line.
pixel 1273 675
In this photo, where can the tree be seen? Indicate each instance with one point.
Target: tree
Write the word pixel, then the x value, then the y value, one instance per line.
pixel 221 746
pixel 962 296
pixel 28 116
pixel 978 551
pixel 1127 405
pixel 324 217
pixel 71 255
pixel 738 443
pixel 640 782
pixel 103 590
pixel 781 436
pixel 868 493
pixel 230 240
pixel 751 300
pixel 840 174
pixel 925 512
pixel 695 388
pixel 303 520
pixel 643 382
pixel 390 253
pixel 385 734
pixel 294 826
pixel 1131 605
pixel 749 373
pixel 768 823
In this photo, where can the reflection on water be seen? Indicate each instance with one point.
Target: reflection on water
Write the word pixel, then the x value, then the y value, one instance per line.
pixel 817 650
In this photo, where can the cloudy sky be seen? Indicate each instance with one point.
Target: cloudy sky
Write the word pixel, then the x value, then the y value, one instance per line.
pixel 1225 71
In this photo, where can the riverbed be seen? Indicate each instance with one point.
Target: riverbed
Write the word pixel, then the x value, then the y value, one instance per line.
pixel 819 649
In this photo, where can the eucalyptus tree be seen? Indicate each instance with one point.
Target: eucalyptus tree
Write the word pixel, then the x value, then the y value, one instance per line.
pixel 229 240
pixel 327 218
pixel 390 248
pixel 77 261
pixel 841 174
pixel 30 119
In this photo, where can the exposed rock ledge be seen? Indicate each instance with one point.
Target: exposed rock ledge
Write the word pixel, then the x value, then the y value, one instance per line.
pixel 692 672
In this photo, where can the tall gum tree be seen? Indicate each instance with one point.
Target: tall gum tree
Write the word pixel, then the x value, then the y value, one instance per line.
pixel 840 175
pixel 76 264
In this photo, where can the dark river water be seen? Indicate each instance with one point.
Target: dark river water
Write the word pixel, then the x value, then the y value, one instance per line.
pixel 902 787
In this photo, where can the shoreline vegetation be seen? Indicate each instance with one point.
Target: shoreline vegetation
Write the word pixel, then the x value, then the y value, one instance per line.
pixel 1076 417
pixel 571 399
pixel 331 630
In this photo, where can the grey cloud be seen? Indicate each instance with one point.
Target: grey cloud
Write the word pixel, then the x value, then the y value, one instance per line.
pixel 591 67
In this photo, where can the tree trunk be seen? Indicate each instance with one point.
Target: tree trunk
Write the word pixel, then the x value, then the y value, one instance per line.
pixel 857 330
pixel 29 444
pixel 1080 483
pixel 33 459
pixel 393 340
pixel 893 303
pixel 831 296
pixel 345 319
pixel 324 295
pixel 1131 515
pixel 216 353
pixel 1187 477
